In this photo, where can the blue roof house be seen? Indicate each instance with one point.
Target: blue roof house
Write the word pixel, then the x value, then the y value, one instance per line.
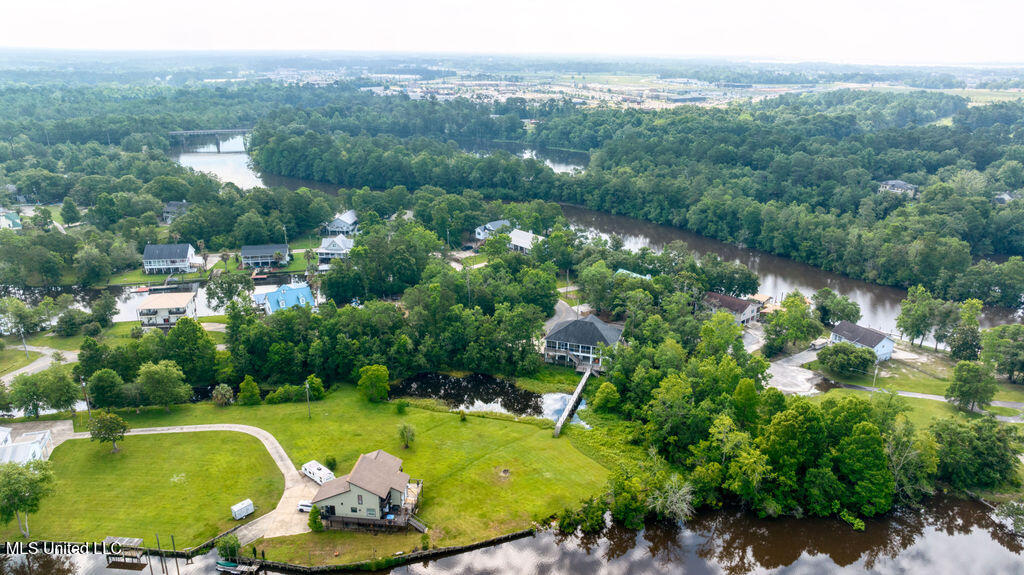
pixel 288 295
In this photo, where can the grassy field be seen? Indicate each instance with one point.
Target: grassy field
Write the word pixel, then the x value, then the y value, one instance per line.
pixel 182 484
pixel 466 497
pixel 474 259
pixel 138 276
pixel 13 358
pixel 922 411
pixel 117 334
pixel 551 379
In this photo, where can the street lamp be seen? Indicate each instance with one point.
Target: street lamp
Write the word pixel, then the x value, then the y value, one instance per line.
pixel 85 392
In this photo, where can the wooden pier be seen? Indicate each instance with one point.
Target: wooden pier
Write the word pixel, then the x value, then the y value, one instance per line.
pixel 574 401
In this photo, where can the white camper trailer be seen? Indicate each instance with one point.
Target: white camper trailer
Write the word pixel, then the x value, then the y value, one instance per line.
pixel 317 472
pixel 242 508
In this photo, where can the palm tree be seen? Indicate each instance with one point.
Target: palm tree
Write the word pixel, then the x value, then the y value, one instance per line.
pixel 225 257
pixel 406 434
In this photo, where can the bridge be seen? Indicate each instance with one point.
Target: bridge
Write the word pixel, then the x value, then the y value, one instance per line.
pixel 182 134
pixel 574 401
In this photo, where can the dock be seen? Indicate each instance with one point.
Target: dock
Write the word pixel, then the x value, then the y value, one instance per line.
pixel 574 401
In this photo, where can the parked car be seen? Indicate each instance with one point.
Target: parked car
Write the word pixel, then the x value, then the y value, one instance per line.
pixel 305 506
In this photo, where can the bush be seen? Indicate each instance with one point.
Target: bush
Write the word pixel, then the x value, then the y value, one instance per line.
pixel 607 398
pixel 847 359
pixel 315 523
pixel 91 329
pixel 249 392
pixel 568 521
pixel 222 395
pixel 331 462
pixel 401 406
pixel 286 394
pixel 316 388
pixel 374 382
pixel 462 415
pixel 591 515
pixel 137 332
pixel 70 322
pixel 228 546
pixel 425 541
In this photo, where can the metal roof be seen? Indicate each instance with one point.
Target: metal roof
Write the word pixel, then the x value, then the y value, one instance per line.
pixel 859 334
pixel 166 251
pixel 264 250
pixel 589 330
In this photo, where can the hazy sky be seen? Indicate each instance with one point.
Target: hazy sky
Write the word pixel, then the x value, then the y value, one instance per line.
pixel 856 31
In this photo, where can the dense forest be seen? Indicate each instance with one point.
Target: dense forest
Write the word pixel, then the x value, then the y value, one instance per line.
pixel 795 176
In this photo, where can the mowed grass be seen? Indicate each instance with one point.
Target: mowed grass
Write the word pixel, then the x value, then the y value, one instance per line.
pixel 466 495
pixel 553 379
pixel 922 411
pixel 177 483
pixel 13 358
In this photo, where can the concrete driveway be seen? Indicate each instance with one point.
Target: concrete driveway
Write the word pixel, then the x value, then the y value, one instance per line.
pixel 788 377
pixel 42 362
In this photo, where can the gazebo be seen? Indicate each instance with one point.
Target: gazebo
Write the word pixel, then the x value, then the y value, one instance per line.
pixel 124 553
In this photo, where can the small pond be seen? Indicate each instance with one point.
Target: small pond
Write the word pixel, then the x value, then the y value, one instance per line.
pixel 480 392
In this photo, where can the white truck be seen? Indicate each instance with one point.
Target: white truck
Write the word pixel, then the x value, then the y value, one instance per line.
pixel 317 472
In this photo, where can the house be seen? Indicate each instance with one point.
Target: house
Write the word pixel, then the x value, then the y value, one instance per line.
pixel 9 220
pixel 760 300
pixel 578 341
pixel 173 210
pixel 165 309
pixel 375 494
pixel 30 446
pixel 265 256
pixel 346 223
pixel 1006 197
pixel 335 248
pixel 623 271
pixel 285 296
pixel 170 259
pixel 898 187
pixel 483 232
pixel 860 336
pixel 744 311
pixel 521 241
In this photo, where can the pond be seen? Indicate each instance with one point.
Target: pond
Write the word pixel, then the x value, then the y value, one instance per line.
pixel 480 392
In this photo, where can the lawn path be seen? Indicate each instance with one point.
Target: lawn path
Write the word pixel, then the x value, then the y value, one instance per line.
pixel 284 519
pixel 42 362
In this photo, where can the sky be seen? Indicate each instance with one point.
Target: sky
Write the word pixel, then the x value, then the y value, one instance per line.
pixel 841 31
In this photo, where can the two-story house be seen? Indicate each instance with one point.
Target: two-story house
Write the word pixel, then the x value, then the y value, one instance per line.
pixel 163 310
pixel 376 493
pixel 578 341
pixel 170 259
pixel 346 224
pixel 861 336
pixel 334 248
pixel 265 256
pixel 743 310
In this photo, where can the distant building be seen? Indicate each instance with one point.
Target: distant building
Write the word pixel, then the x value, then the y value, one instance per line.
pixel 741 309
pixel 30 446
pixel 265 256
pixel 173 209
pixel 163 310
pixel 483 232
pixel 285 296
pixel 898 187
pixel 170 259
pixel 760 300
pixel 9 220
pixel 376 493
pixel 522 241
pixel 578 341
pixel 1006 197
pixel 623 271
pixel 860 336
pixel 335 248
pixel 346 223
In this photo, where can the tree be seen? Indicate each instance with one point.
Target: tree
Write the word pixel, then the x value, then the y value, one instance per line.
pixel 315 523
pixel 106 389
pixel 22 487
pixel 795 322
pixel 60 390
pixel 1003 348
pixel 863 467
pixel 496 246
pixel 977 454
pixel 406 434
pixel 228 546
pixel 374 382
pixel 917 312
pixel 226 287
pixel 607 397
pixel 69 211
pixel 745 403
pixel 104 427
pixel 27 394
pixel 832 308
pixel 163 383
pixel 965 341
pixel 92 266
pixel 944 321
pixel 189 346
pixel 222 395
pixel 973 386
pixel 248 392
pixel 913 461
pixel 846 359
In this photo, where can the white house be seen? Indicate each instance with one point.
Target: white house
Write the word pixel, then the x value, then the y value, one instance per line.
pixel 334 248
pixel 579 341
pixel 165 309
pixel 170 259
pixel 346 223
pixel 861 336
pixel 898 187
pixel 522 241
pixel 483 232
pixel 265 256
pixel 744 311
pixel 30 446
pixel 375 493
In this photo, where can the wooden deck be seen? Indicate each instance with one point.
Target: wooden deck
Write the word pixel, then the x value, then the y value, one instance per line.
pixel 570 409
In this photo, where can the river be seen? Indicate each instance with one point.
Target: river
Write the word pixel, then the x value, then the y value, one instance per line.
pixel 947 536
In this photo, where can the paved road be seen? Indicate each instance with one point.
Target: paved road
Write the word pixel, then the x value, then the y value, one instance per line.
pixel 932 397
pixel 788 377
pixel 42 362
pixel 562 313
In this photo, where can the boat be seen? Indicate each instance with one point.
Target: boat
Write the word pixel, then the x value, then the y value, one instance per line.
pixel 235 568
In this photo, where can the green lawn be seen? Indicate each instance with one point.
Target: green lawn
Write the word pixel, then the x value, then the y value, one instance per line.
pixel 180 483
pixel 116 334
pixel 138 276
pixel 305 243
pixel 922 411
pixel 551 379
pixel 466 497
pixel 13 358
pixel 474 259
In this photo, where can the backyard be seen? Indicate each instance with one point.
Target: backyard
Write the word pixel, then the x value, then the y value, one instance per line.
pixel 180 484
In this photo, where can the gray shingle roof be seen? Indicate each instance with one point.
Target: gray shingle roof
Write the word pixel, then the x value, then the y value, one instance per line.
pixel 377 472
pixel 264 250
pixel 589 330
pixel 733 304
pixel 859 334
pixel 165 251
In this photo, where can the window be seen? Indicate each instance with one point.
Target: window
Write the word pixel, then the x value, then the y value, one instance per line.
pixel 354 509
pixel 359 499
pixel 371 512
